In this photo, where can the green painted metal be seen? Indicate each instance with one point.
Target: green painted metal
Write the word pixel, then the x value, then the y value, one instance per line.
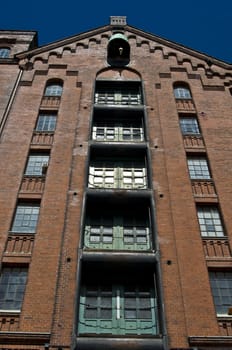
pixel 118 36
pixel 116 233
pixel 125 314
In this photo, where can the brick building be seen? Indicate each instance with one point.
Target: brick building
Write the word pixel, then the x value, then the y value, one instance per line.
pixel 115 193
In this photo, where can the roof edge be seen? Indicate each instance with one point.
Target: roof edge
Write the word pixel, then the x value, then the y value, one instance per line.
pixel 134 30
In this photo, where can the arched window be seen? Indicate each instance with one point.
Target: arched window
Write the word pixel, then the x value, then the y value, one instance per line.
pixel 54 88
pixel 182 91
pixel 4 52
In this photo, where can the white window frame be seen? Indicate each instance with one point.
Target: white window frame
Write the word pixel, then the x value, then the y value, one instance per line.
pixel 118 133
pixel 36 163
pixel 25 218
pixel 221 285
pixel 198 168
pixel 189 126
pixel 182 92
pixel 118 98
pixel 129 174
pixel 46 122
pixel 4 52
pixel 210 222
pixel 12 287
pixel 53 89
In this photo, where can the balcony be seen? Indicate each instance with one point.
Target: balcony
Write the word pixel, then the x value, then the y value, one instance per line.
pixel 52 102
pixel 32 184
pixel 9 323
pixel 203 189
pixel 225 326
pixel 117 178
pixel 216 248
pixel 115 170
pixel 114 133
pixel 118 93
pixel 20 245
pixel 112 224
pixel 185 105
pixel 118 304
pixel 193 141
pixel 117 238
pixel 118 343
pixel 42 138
pixel 117 99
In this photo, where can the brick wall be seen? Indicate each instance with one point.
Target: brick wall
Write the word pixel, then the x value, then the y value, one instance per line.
pixel 50 298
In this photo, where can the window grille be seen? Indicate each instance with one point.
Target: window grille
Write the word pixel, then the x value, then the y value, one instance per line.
pixel 36 164
pixel 221 285
pixel 53 90
pixel 114 131
pixel 117 232
pixel 198 168
pixel 118 309
pixel 118 94
pixel 4 52
pixel 26 218
pixel 210 222
pixel 182 93
pixel 190 126
pixel 12 285
pixel 46 122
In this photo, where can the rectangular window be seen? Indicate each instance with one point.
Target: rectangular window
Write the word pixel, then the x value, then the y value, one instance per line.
pixel 98 302
pixel 198 168
pixel 210 222
pixel 46 122
pixel 12 286
pixel 181 92
pixel 118 309
pixel 109 93
pixel 221 285
pixel 37 164
pixel 53 89
pixel 118 232
pixel 118 174
pixel 137 303
pixel 4 52
pixel 189 125
pixel 26 218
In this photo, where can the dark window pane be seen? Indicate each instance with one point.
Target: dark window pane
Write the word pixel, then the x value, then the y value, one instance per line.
pixel 12 288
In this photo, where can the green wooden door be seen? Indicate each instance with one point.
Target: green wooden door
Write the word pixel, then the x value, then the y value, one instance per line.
pixel 118 310
pixel 128 174
pixel 117 232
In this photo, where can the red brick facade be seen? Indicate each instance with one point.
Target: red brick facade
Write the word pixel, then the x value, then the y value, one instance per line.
pixel 55 254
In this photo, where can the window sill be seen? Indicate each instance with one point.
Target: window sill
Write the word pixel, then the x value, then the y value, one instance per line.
pixel 21 233
pixel 213 341
pixel 9 312
pixel 50 132
pixel 215 237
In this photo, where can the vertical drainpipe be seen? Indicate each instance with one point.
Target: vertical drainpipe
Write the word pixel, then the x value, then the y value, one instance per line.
pixel 10 101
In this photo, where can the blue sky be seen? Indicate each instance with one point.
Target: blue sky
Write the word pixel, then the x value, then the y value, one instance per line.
pixel 203 25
